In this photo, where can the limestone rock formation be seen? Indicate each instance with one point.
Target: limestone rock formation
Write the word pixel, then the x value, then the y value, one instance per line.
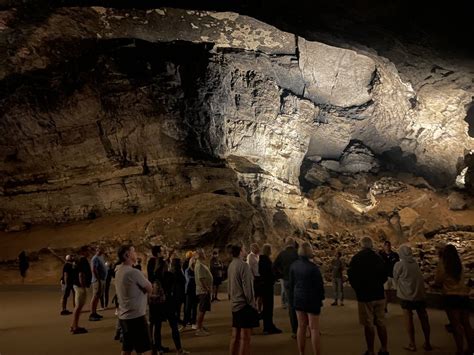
pixel 107 111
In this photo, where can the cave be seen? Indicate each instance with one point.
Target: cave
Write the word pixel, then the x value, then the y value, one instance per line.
pixel 198 125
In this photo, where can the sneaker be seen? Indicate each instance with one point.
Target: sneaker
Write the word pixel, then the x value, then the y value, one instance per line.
pixel 194 327
pixel 65 312
pixel 181 328
pixel 182 352
pixel 202 333
pixel 334 303
pixel 94 318
pixel 272 331
pixel 79 330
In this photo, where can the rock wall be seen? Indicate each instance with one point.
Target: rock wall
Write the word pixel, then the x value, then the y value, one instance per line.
pixel 122 111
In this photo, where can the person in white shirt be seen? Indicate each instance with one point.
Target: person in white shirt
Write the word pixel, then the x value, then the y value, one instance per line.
pixel 132 288
pixel 253 259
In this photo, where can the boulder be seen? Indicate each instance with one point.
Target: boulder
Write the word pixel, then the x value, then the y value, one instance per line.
pixel 317 175
pixel 456 201
pixel 410 221
pixel 358 158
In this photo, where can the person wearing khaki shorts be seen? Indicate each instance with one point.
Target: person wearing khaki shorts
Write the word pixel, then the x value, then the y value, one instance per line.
pixel 367 275
pixel 82 282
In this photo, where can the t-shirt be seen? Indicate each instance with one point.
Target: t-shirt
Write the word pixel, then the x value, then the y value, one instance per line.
pixel 130 286
pixel 252 260
pixel 68 269
pixel 203 277
pixel 84 268
pixel 337 267
pixel 98 264
pixel 240 285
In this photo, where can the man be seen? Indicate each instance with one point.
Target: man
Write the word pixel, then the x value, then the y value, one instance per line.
pixel 390 258
pixel 82 281
pixel 367 275
pixel 252 260
pixel 132 288
pixel 203 278
pixel 99 273
pixel 67 285
pixel 282 267
pixel 150 267
pixel 244 314
pixel 337 265
pixel 138 265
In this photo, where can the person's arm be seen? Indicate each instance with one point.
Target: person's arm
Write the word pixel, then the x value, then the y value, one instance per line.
pixel 291 285
pixel 95 272
pixel 318 281
pixel 143 283
pixel 397 269
pixel 439 276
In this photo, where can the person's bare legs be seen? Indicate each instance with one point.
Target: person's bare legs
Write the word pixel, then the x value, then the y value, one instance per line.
pixel 245 334
pixel 315 333
pixel 425 325
pixel 94 302
pixel 454 316
pixel 369 333
pixel 382 334
pixel 408 313
pixel 466 324
pixel 200 320
pixel 234 347
pixel 301 332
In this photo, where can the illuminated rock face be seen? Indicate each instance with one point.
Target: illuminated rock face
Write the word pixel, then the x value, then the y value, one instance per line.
pixel 103 113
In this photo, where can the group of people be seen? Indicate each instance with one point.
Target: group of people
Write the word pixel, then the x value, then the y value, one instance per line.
pixel 171 283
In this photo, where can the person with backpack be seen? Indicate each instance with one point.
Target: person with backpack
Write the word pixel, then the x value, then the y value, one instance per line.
pixel 162 305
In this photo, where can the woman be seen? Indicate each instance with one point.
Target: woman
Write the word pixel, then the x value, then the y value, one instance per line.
pixel 450 276
pixel 165 310
pixel 265 269
pixel 306 293
pixel 411 291
pixel 191 303
pixel 179 283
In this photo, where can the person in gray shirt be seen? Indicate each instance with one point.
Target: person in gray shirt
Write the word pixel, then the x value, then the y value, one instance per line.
pixel 244 314
pixel 132 288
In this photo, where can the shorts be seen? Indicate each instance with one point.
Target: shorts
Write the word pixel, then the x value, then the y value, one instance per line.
pixel 81 296
pixel 389 284
pixel 136 335
pixel 413 305
pixel 247 317
pixel 204 302
pixel 455 302
pixel 98 288
pixel 372 313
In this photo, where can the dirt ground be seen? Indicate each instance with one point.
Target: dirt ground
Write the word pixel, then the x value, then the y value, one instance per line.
pixel 30 324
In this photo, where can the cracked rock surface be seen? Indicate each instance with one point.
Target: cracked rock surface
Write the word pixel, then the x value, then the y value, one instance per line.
pixel 106 111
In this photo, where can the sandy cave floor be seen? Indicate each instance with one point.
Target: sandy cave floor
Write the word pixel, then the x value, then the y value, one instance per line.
pixel 30 324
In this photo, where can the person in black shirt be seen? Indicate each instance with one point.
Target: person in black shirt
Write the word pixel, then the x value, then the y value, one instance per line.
pixel 390 258
pixel 67 285
pixel 24 265
pixel 265 270
pixel 282 269
pixel 216 268
pixel 150 267
pixel 367 275
pixel 82 281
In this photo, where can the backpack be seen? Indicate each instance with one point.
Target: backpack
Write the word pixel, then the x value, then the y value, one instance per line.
pixel 158 295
